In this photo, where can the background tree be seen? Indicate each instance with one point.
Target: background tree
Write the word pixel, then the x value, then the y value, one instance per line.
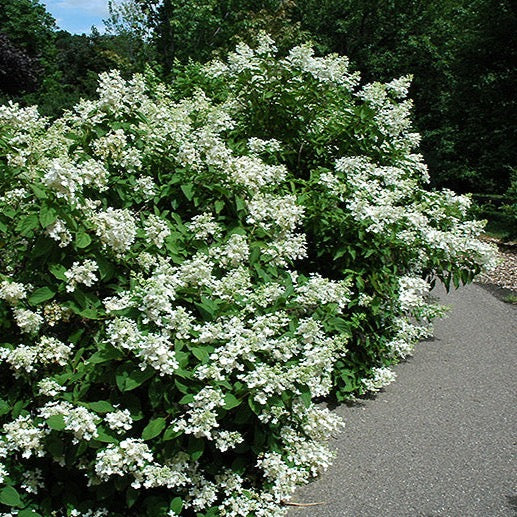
pixel 18 71
pixel 27 33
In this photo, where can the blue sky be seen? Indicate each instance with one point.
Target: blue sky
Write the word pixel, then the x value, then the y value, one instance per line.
pixel 77 16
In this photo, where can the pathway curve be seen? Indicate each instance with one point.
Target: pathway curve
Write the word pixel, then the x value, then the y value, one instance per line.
pixel 441 440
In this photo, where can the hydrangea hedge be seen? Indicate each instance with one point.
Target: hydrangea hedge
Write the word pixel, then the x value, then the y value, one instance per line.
pixel 186 270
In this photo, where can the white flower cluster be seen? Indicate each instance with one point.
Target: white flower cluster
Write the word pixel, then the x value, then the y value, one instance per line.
pixel 390 201
pixel 146 186
pixel 12 292
pixel 132 456
pixel 81 274
pixel 78 420
pixel 259 146
pixel 67 179
pixel 129 457
pixel 319 290
pixel 412 291
pixel 99 512
pixel 157 230
pixel 114 147
pixel 28 321
pixel 251 172
pixel 154 350
pixel 202 415
pixel 49 387
pixel 23 435
pixel 332 68
pixel 116 229
pixel 14 197
pixel 269 210
pixel 380 378
pixel 119 421
pixel 25 358
pixel 204 226
pixel 406 336
pixel 32 481
pixel 59 232
pixel 53 313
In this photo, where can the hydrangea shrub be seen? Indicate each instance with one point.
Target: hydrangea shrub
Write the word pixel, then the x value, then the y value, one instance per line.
pixel 183 277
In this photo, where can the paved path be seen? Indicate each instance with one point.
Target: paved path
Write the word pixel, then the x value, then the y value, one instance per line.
pixel 441 440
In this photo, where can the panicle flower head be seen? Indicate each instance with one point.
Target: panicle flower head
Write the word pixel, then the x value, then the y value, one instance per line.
pixel 116 228
pixel 29 322
pixel 12 292
pixel 81 274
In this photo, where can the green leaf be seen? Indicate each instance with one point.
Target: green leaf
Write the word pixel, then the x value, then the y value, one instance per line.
pixel 186 399
pixel 38 192
pixel 176 505
pixel 208 308
pixel 26 226
pixel 219 205
pixel 107 354
pixel 28 513
pixel 90 314
pixel 170 433
pixel 105 436
pixel 55 447
pixel 10 497
pixel 101 406
pixel 56 422
pixel 41 295
pixel 82 240
pixel 240 203
pixel 47 215
pixel 128 377
pixel 4 407
pixel 201 353
pixel 306 397
pixel 131 496
pixel 195 447
pixel 106 269
pixel 58 271
pixel 153 428
pixel 188 190
pixel 231 401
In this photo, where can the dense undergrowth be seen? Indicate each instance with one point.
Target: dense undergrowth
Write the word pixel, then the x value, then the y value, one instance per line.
pixel 185 269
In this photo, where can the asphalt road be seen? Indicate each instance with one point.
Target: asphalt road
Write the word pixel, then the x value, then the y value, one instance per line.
pixel 441 440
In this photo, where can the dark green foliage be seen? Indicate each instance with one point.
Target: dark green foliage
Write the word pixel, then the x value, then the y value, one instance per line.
pixel 18 71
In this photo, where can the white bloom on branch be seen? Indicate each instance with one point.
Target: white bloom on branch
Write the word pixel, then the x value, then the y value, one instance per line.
pixel 33 481
pixel 380 377
pixel 21 359
pixel 12 292
pixel 29 322
pixel 49 387
pixel 22 435
pixel 119 421
pixel 79 420
pixel 154 350
pixel 64 178
pixel 131 456
pixel 204 226
pixel 59 232
pixel 157 230
pixel 146 186
pixel 81 274
pixel 116 228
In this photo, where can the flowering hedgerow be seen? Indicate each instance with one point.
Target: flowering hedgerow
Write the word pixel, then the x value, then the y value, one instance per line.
pixel 182 275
